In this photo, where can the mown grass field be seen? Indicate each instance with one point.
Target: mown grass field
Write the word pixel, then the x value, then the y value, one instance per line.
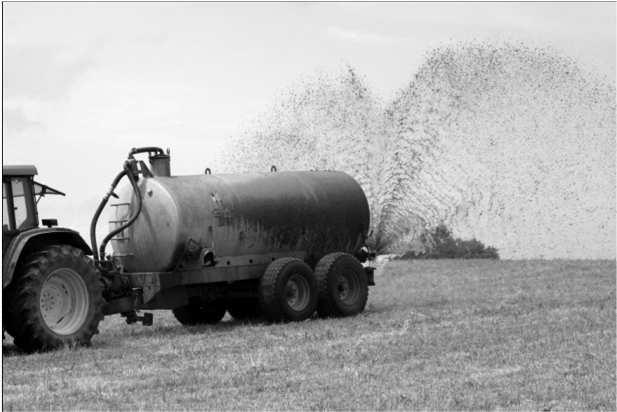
pixel 435 335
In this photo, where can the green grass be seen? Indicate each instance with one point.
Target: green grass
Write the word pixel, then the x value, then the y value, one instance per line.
pixel 435 335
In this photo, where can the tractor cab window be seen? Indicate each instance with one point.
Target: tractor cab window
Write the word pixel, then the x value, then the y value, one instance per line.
pixel 5 208
pixel 18 210
pixel 20 205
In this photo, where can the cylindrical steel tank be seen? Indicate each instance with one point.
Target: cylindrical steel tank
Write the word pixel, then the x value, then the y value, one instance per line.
pixel 315 212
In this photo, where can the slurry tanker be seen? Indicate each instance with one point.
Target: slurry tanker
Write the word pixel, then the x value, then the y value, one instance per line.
pixel 279 246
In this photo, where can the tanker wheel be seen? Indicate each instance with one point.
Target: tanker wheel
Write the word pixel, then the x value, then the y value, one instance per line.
pixel 244 309
pixel 288 291
pixel 343 285
pixel 55 301
pixel 202 313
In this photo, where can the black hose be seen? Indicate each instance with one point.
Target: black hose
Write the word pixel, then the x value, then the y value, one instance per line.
pixel 128 171
pixel 131 219
pixel 97 214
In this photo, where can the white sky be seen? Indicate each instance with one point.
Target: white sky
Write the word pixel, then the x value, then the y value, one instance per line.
pixel 85 82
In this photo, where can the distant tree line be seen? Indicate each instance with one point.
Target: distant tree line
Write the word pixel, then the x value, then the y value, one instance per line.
pixel 440 244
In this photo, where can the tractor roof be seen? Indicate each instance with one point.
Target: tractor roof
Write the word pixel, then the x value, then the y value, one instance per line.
pixel 19 170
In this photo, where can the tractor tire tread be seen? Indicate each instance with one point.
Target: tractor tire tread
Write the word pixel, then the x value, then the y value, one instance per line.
pixel 32 334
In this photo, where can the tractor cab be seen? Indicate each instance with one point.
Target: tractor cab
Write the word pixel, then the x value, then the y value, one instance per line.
pixel 51 292
pixel 20 195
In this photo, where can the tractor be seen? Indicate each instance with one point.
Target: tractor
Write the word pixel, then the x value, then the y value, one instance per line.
pixel 52 292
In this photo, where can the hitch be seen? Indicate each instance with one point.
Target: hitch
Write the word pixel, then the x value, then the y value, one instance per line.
pixel 365 254
pixel 370 275
pixel 132 317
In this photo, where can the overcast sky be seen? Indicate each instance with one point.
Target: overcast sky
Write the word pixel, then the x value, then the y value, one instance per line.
pixel 85 82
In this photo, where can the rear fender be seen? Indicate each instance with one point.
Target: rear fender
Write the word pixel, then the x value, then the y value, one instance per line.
pixel 35 239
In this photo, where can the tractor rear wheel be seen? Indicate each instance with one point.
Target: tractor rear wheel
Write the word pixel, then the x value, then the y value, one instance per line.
pixel 343 285
pixel 288 290
pixel 55 301
pixel 202 313
pixel 9 323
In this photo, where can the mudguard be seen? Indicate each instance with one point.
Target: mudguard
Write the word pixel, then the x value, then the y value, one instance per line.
pixel 37 238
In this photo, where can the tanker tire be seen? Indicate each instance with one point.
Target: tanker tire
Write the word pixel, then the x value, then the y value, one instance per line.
pixel 288 291
pixel 194 314
pixel 48 282
pixel 244 309
pixel 343 285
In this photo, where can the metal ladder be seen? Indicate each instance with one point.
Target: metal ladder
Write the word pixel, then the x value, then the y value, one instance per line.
pixel 122 236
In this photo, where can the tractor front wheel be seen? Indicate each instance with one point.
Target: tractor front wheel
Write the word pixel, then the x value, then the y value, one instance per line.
pixel 55 301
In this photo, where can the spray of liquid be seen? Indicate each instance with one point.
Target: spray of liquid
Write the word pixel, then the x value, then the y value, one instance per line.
pixel 509 144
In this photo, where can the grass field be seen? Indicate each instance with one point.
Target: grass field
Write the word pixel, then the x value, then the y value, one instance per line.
pixel 435 335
